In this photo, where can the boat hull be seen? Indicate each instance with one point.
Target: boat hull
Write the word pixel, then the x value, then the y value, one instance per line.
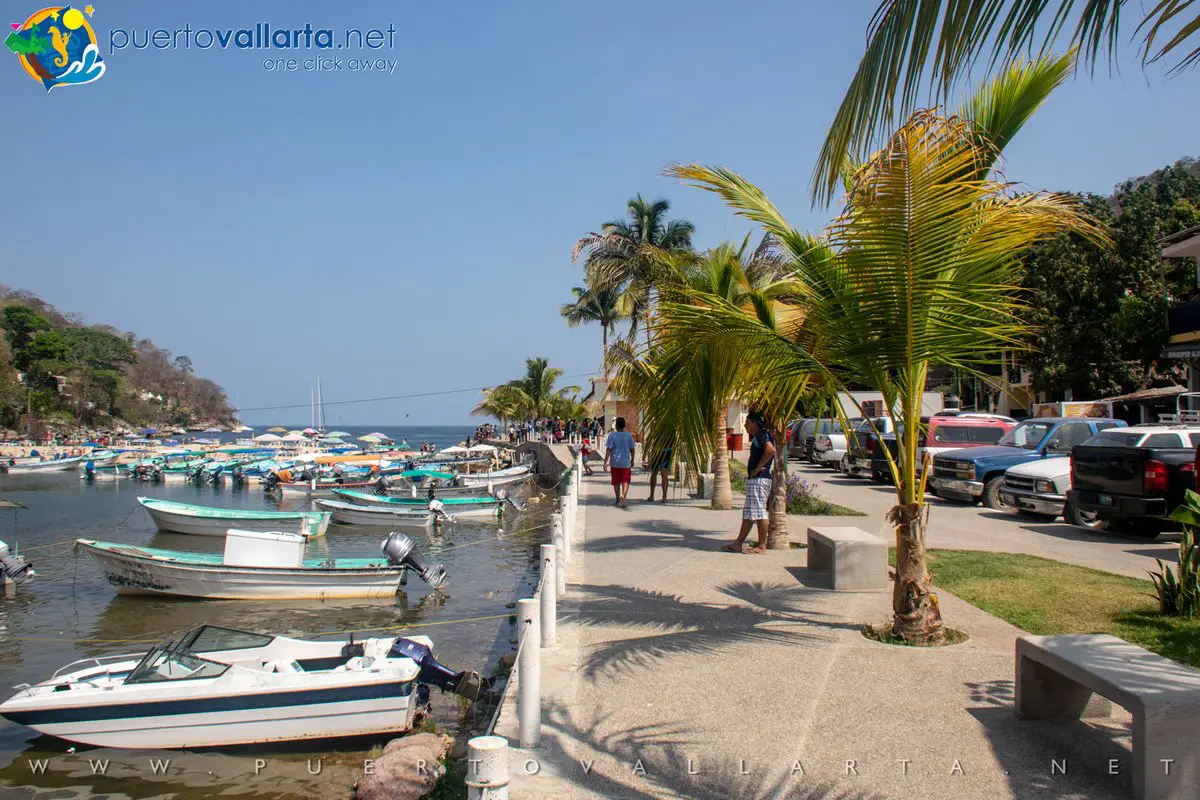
pixel 45 466
pixel 375 709
pixel 136 575
pixel 173 522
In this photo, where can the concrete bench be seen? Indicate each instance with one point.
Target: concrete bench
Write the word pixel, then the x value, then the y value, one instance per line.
pixel 1059 677
pixel 856 559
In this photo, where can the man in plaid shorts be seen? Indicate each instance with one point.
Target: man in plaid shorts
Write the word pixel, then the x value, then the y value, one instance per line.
pixel 758 484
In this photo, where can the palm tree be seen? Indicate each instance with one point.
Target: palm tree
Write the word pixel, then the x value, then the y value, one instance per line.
pixel 911 42
pixel 921 267
pixel 500 403
pixel 535 394
pixel 692 387
pixel 633 255
pixel 607 307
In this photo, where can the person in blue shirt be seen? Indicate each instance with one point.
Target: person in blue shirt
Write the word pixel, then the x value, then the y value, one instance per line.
pixel 618 453
pixel 758 484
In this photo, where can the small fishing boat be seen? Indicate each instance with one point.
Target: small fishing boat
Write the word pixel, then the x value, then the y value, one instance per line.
pixel 259 566
pixel 209 521
pixel 500 477
pixel 219 686
pixel 451 504
pixel 352 514
pixel 35 467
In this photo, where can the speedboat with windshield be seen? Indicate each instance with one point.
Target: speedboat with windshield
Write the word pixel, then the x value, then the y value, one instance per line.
pixel 217 686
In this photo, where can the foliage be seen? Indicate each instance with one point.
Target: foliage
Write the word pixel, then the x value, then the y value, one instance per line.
pixel 451 784
pixel 1048 597
pixel 532 396
pixel 77 372
pixel 605 306
pixel 803 498
pixel 921 268
pixel 936 43
pixel 632 255
pixel 1099 312
pixel 1178 590
pixel 737 475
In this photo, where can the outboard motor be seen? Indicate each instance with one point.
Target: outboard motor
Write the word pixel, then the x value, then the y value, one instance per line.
pixel 382 484
pixel 400 550
pixel 270 480
pixel 438 509
pixel 16 568
pixel 434 673
pixel 502 496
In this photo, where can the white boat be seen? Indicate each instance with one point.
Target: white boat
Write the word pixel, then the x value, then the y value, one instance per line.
pixel 218 687
pixel 256 566
pixel 31 467
pixel 500 477
pixel 208 521
pixel 384 516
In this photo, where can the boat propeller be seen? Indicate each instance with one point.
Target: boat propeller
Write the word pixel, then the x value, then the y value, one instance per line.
pixel 401 550
pixel 14 567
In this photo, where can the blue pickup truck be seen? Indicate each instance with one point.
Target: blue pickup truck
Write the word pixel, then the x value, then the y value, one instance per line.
pixel 976 474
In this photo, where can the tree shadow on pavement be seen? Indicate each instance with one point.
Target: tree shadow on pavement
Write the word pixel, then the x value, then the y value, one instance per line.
pixel 792 603
pixel 651 761
pixel 657 533
pixel 661 625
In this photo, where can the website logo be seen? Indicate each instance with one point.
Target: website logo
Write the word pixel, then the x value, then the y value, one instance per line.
pixel 57 47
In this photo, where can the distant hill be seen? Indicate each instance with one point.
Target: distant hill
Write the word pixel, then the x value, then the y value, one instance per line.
pixel 70 375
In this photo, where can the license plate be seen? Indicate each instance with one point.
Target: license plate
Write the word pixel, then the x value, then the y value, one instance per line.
pixel 1104 499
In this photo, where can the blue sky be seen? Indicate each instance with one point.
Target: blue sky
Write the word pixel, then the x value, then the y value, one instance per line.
pixel 412 232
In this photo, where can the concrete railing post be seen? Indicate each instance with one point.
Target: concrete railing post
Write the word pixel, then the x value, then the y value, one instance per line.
pixel 564 511
pixel 556 536
pixel 487 768
pixel 529 681
pixel 549 596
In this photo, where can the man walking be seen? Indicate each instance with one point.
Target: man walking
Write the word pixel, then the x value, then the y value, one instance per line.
pixel 758 484
pixel 618 452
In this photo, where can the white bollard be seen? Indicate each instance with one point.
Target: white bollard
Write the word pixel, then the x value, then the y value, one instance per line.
pixel 487 768
pixel 549 609
pixel 529 681
pixel 564 511
pixel 560 563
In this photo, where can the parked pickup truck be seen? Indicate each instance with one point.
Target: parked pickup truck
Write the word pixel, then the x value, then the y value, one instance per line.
pixel 830 449
pixel 1039 488
pixel 941 433
pixel 977 473
pixel 1135 481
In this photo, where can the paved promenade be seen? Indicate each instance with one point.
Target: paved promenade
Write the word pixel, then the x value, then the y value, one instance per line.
pixel 684 672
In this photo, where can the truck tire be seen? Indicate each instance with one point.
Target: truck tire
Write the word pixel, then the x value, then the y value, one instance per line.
pixel 991 494
pixel 1084 519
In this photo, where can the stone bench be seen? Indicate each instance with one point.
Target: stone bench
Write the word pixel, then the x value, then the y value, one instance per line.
pixel 856 559
pixel 1073 677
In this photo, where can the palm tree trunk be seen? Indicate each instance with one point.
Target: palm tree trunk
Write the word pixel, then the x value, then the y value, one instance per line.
pixel 722 496
pixel 917 617
pixel 777 524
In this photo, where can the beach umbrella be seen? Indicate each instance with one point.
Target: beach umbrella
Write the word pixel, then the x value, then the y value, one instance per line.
pixel 266 437
pixel 310 431
pixel 380 435
pixel 338 434
pixel 456 449
pixel 277 429
pixel 294 437
pixel 481 448
pixel 242 429
pixel 370 437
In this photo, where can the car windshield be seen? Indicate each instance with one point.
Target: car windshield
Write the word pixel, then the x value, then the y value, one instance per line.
pixel 1026 435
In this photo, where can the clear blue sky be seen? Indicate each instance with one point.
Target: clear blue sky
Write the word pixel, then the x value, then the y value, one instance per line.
pixel 412 232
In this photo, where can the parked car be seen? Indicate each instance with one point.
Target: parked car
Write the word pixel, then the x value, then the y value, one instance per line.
pixel 808 437
pixel 976 474
pixel 796 439
pixel 944 433
pixel 1040 487
pixel 865 448
pixel 829 449
pixel 1135 481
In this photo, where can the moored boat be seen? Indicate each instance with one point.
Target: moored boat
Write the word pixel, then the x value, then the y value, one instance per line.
pixel 209 521
pixel 220 686
pixel 450 504
pixel 352 514
pixel 34 467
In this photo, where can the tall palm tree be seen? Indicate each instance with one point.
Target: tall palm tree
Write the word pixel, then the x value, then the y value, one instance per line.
pixel 535 393
pixel 938 42
pixel 606 306
pixel 633 255
pixel 499 402
pixel 921 267
pixel 692 387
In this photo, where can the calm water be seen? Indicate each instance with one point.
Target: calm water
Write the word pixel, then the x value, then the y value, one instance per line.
pixel 69 612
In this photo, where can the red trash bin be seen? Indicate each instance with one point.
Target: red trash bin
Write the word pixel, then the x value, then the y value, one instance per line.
pixel 735 441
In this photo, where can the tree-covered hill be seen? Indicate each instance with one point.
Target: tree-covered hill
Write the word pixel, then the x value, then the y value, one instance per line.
pixel 65 372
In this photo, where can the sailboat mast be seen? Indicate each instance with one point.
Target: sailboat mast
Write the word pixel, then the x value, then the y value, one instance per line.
pixel 312 409
pixel 320 407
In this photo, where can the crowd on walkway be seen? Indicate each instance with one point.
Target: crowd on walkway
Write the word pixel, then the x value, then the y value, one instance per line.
pixel 556 430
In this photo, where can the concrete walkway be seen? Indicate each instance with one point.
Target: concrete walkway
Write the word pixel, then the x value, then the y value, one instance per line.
pixel 684 672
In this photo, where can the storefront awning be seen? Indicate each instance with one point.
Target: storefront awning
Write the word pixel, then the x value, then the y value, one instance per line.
pixel 1182 351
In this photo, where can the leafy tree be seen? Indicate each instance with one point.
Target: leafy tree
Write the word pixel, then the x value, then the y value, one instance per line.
pixel 183 364
pixel 919 269
pixel 632 255
pixel 21 323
